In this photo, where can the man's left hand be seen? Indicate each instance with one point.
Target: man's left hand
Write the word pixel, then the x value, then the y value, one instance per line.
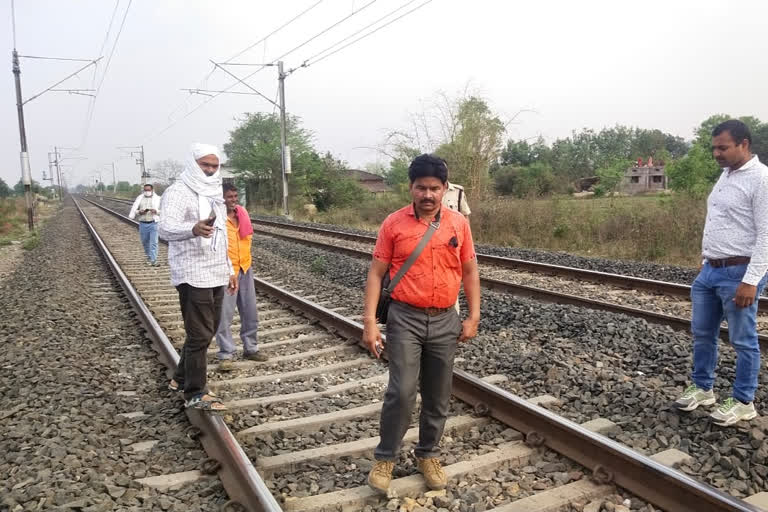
pixel 468 330
pixel 232 288
pixel 745 295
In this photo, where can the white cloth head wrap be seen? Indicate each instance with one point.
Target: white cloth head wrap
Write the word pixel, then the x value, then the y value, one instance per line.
pixel 207 188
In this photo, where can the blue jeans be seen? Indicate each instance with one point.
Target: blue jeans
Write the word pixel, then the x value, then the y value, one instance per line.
pixel 712 295
pixel 148 235
pixel 245 300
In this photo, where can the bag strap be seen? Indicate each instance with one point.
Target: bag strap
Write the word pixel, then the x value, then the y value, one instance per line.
pixel 433 226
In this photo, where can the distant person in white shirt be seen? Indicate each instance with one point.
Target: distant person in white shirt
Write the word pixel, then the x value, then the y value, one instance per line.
pixel 732 276
pixel 193 223
pixel 147 208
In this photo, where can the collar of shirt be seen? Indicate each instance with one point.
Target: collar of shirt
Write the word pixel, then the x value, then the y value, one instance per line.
pixel 413 213
pixel 749 165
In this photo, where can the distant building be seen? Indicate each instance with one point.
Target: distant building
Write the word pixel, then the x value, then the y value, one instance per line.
pixel 373 183
pixel 647 178
pixel 227 174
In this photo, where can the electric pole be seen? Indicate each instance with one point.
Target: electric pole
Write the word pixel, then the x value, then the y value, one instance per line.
pixel 283 136
pixel 26 175
pixel 114 179
pixel 138 153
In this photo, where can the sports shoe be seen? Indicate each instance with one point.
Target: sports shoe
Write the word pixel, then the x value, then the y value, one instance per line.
pixel 226 365
pixel 433 473
pixel 381 475
pixel 732 411
pixel 256 356
pixel 694 396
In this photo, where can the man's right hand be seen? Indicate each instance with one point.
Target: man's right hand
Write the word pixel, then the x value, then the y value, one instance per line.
pixel 372 338
pixel 203 229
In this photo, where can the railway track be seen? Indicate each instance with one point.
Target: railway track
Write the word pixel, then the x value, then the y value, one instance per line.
pixel 305 417
pixel 503 280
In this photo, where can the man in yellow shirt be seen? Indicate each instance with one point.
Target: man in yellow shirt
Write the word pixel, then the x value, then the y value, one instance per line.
pixel 239 235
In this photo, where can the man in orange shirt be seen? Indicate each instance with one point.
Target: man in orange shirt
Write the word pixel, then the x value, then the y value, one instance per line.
pixel 239 235
pixel 423 327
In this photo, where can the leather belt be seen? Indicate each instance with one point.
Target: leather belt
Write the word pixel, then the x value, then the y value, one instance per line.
pixel 430 311
pixel 729 262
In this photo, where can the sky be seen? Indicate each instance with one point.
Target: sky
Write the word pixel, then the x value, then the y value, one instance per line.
pixel 563 65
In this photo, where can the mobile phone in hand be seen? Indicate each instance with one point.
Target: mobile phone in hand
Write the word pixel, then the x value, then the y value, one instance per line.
pixel 211 220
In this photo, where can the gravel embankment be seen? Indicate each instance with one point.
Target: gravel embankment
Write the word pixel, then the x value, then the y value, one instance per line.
pixel 598 364
pixel 73 360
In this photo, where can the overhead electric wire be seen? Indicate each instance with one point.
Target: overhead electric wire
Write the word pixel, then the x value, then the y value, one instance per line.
pixel 208 100
pixel 359 31
pixel 278 29
pixel 53 58
pixel 104 74
pixel 307 64
pixel 205 79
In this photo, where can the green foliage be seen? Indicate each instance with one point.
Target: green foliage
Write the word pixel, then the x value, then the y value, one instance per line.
pixel 32 241
pixel 319 265
pixel 611 175
pixel 254 153
pixel 758 128
pixel 474 144
pixel 18 189
pixel 326 184
pixel 535 180
pixel 5 190
pixel 695 173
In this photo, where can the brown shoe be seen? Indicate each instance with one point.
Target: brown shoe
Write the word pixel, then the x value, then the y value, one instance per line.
pixel 256 356
pixel 381 475
pixel 226 365
pixel 433 473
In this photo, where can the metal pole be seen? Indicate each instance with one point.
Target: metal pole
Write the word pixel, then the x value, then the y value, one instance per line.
pixel 114 179
pixel 58 170
pixel 50 171
pixel 283 136
pixel 143 170
pixel 26 174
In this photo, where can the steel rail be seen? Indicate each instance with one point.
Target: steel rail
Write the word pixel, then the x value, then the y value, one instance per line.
pixel 519 290
pixel 619 280
pixel 642 476
pixel 240 479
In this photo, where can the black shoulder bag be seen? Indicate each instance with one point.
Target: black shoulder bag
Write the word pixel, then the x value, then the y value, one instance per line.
pixel 388 285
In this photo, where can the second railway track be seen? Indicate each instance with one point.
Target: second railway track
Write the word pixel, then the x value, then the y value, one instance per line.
pixel 306 419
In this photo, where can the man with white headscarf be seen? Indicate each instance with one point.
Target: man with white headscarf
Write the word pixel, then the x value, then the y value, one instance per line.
pixel 193 224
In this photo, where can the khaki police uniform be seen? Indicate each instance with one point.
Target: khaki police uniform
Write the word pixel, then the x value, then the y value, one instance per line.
pixel 455 199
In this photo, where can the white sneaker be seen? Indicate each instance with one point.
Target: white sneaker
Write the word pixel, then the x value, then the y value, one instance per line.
pixel 732 411
pixel 694 396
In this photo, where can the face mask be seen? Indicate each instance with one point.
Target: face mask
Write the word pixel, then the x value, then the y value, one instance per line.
pixel 147 193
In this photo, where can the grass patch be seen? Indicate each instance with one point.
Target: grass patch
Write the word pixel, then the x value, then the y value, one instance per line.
pixel 32 241
pixel 662 229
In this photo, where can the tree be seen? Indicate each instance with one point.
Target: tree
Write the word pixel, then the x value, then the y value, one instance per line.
pixel 326 183
pixel 611 176
pixel 166 171
pixel 695 173
pixel 254 153
pixel 474 143
pixel 5 190
pixel 18 189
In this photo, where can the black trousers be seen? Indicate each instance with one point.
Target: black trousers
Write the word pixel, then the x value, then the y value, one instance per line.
pixel 201 310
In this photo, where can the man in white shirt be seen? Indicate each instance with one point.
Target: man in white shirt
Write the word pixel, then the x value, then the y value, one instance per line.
pixel 147 208
pixel 193 224
pixel 732 276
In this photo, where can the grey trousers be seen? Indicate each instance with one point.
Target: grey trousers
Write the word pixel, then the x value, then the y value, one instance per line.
pixel 420 350
pixel 245 301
